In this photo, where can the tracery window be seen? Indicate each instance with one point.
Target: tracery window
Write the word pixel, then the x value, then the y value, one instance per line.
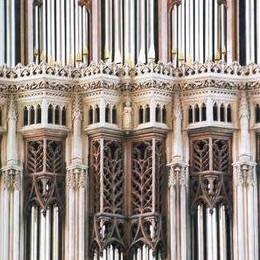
pixel 38 114
pixel 114 115
pixel 211 196
pixel 44 198
pixel 90 115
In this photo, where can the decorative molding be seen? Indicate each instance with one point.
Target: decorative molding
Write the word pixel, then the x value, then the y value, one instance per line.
pixel 76 177
pixel 12 177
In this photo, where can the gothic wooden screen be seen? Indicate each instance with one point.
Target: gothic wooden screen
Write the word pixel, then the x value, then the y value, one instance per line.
pixel 127 216
pixel 44 198
pixel 211 196
pixel 107 192
pixel 146 221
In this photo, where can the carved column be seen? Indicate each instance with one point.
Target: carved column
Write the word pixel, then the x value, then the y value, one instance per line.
pixel 11 193
pixel 245 193
pixel 76 186
pixel 178 185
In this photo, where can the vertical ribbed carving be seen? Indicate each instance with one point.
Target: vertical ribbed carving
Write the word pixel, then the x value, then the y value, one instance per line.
pixel 146 199
pixel 113 177
pixel 106 156
pixel 142 178
pixel 44 197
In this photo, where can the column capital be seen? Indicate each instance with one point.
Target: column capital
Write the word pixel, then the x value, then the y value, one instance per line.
pixel 12 176
pixel 178 175
pixel 76 176
pixel 244 172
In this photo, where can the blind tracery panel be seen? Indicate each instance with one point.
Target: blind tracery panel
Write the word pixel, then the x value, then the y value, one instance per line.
pixel 211 197
pixel 44 196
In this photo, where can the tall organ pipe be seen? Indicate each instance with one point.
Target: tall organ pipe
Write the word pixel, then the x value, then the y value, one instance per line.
pixel 2 33
pixel 85 39
pixel 217 32
pixel 223 32
pixel 117 33
pixel 150 32
pixel 141 34
pixel 200 228
pixel 258 31
pixel 108 31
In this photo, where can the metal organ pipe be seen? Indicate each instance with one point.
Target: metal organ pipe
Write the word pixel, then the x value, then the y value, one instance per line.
pixel 85 37
pixel 200 228
pixel 108 30
pixel 62 33
pixel 150 31
pixel 118 31
pixel 55 234
pixel 141 38
pixel 58 31
pixel 174 33
pixel 258 31
pixel 49 30
pixel 44 31
pixel 208 30
pixel 217 32
pixel 222 233
pixel 223 32
pixel 36 34
pixel 2 33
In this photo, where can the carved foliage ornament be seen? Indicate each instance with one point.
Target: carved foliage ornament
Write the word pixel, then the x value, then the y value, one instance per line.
pixel 211 177
pixel 108 182
pixel 44 173
pixel 147 168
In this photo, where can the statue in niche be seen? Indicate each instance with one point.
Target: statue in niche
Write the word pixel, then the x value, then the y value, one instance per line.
pixel 127 115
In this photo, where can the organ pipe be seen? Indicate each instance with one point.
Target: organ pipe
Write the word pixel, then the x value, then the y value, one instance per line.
pixel 62 32
pixel 117 33
pixel 49 30
pixel 36 34
pixel 201 31
pixel 258 31
pixel 208 30
pixel 55 246
pixel 197 57
pixel 44 31
pixel 107 50
pixel 174 34
pixel 150 32
pixel 217 31
pixel 142 45
pixel 85 35
pixel 72 31
pixel 200 229
pixel 79 33
pixel 222 232
pixel 223 31
pixel 2 33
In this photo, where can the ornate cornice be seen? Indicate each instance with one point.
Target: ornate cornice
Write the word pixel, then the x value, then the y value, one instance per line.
pixel 119 77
